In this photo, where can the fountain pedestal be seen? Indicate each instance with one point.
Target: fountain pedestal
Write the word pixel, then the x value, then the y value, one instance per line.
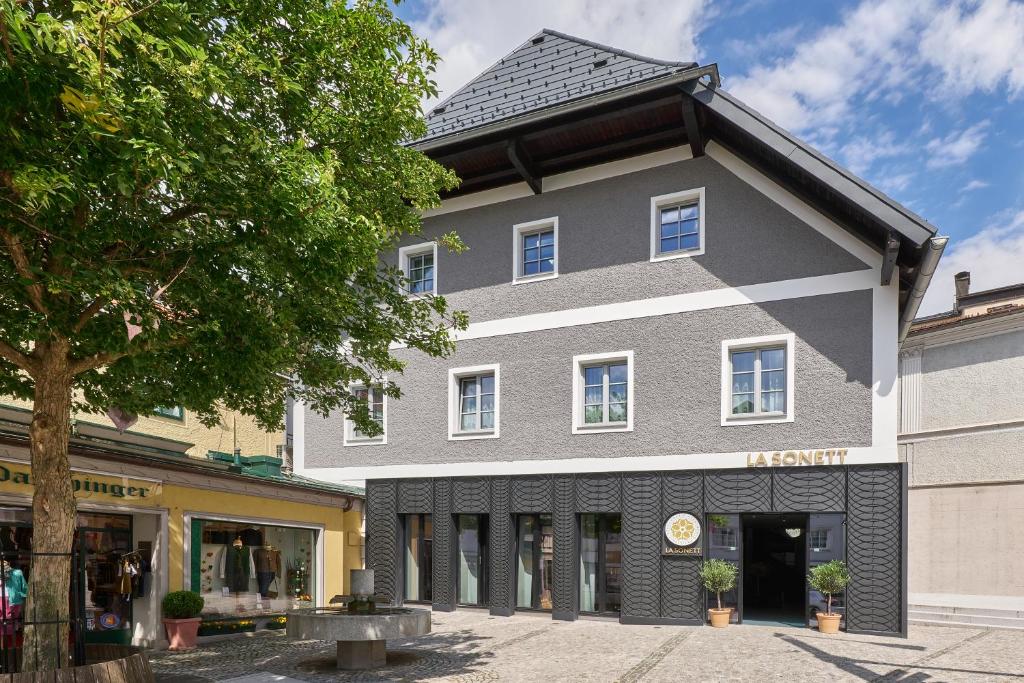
pixel 361 638
pixel 356 655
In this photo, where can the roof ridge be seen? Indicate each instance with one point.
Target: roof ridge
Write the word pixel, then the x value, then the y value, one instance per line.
pixel 614 50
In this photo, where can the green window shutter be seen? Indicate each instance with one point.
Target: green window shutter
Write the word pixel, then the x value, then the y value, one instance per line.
pixel 196 548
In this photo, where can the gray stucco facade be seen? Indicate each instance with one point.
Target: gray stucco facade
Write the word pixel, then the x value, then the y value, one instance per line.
pixel 692 459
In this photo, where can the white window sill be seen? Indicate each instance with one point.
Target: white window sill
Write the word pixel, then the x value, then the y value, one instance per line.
pixel 523 279
pixel 378 441
pixel 602 428
pixel 468 436
pixel 755 419
pixel 668 256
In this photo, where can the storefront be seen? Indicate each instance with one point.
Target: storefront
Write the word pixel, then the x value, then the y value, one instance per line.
pixel 629 545
pixel 254 542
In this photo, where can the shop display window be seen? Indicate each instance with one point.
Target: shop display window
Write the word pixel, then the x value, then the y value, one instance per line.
pixel 724 535
pixel 252 569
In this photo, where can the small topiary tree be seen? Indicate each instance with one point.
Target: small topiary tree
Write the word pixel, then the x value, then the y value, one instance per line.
pixel 182 605
pixel 718 576
pixel 829 579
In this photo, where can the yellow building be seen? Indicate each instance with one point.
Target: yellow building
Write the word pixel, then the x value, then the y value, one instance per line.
pixel 254 541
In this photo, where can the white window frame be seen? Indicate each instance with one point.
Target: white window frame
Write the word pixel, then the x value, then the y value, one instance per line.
pixel 407 252
pixel 519 231
pixel 349 438
pixel 661 201
pixel 828 540
pixel 455 377
pixel 583 361
pixel 785 341
pixel 731 531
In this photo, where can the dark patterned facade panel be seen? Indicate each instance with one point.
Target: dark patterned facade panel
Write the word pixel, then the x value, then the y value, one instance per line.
pixel 502 546
pixel 443 547
pixel 415 496
pixel 738 491
pixel 641 545
pixel 681 594
pixel 811 489
pixel 471 495
pixel 382 537
pixel 598 493
pixel 682 492
pixel 566 550
pixel 532 494
pixel 874 549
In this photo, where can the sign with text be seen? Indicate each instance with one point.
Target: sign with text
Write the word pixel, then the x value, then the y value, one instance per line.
pixel 831 456
pixel 682 531
pixel 85 485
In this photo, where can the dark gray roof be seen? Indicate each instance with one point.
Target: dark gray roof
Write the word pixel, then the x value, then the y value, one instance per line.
pixel 549 69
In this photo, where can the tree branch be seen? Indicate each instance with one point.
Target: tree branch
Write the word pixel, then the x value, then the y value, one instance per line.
pixel 90 311
pixel 21 264
pixel 99 360
pixel 16 357
pixel 181 213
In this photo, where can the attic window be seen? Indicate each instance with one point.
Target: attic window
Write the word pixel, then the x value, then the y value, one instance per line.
pixel 439 110
pixel 599 63
pixel 538 40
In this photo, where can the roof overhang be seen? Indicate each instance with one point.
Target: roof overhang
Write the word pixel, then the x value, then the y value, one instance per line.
pixel 688 107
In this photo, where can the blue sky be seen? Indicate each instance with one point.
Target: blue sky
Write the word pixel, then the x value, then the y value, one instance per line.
pixel 924 99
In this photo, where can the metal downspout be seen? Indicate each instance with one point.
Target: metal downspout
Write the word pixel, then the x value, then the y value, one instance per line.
pixel 929 262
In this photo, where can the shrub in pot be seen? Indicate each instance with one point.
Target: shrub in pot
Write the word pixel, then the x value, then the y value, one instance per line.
pixel 829 579
pixel 181 618
pixel 718 576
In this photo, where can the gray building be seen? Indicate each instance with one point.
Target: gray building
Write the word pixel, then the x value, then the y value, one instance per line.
pixel 683 345
pixel 961 423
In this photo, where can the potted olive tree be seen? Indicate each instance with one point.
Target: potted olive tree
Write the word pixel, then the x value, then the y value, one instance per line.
pixel 829 579
pixel 181 618
pixel 718 576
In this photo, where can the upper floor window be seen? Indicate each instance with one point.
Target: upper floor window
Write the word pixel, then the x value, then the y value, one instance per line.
pixel 418 265
pixel 603 392
pixel 375 401
pixel 818 539
pixel 757 380
pixel 174 412
pixel 535 246
pixel 677 225
pixel 473 404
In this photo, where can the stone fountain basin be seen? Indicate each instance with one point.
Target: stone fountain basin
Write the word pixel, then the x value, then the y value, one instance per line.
pixel 337 624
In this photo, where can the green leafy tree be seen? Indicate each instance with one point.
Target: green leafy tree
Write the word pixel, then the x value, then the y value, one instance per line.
pixel 193 198
pixel 718 576
pixel 829 579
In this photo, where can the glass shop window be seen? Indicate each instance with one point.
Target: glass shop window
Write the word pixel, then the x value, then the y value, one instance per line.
pixel 724 536
pixel 252 569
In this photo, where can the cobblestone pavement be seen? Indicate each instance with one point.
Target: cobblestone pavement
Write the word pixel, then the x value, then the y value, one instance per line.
pixel 473 646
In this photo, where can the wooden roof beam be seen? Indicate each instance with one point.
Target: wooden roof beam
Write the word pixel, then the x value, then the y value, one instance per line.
pixel 892 250
pixel 523 164
pixel 693 133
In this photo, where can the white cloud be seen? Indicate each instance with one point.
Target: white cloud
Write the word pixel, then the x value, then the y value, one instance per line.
pixel 994 257
pixel 957 147
pixel 978 45
pixel 470 35
pixel 894 183
pixel 975 184
pixel 862 151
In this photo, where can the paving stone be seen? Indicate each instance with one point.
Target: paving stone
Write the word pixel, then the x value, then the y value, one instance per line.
pixel 470 645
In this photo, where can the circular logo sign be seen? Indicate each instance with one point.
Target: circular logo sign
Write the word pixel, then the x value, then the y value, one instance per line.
pixel 682 529
pixel 109 620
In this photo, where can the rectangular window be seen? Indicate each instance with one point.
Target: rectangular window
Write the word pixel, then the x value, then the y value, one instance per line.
pixel 534 557
pixel 472 559
pixel 535 249
pixel 757 380
pixel 474 402
pixel 818 540
pixel 418 557
pixel 374 400
pixel 677 225
pixel 604 392
pixel 174 412
pixel 418 265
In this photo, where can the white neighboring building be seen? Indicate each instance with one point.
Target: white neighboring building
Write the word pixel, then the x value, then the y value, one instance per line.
pixel 961 431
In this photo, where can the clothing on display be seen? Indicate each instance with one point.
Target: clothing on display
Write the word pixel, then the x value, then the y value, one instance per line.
pixel 129 576
pixel 268 567
pixel 237 567
pixel 15 587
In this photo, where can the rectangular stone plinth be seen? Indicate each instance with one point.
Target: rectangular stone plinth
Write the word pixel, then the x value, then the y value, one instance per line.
pixel 357 655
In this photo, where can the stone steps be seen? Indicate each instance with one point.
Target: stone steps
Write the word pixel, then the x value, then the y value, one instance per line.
pixel 988 616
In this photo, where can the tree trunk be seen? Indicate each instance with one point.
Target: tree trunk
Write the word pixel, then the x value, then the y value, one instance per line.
pixel 46 646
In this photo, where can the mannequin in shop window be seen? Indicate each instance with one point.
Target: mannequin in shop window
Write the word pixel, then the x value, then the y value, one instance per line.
pixel 236 566
pixel 268 568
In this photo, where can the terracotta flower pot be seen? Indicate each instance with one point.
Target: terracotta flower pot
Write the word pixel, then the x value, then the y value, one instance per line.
pixel 828 623
pixel 181 633
pixel 719 617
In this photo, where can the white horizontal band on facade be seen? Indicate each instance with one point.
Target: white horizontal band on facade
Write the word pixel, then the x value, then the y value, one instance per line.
pixel 864 455
pixel 674 303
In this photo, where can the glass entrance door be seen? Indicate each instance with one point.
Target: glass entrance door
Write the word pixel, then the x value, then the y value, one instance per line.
pixel 111 576
pixel 418 555
pixel 600 564
pixel 472 577
pixel 535 535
